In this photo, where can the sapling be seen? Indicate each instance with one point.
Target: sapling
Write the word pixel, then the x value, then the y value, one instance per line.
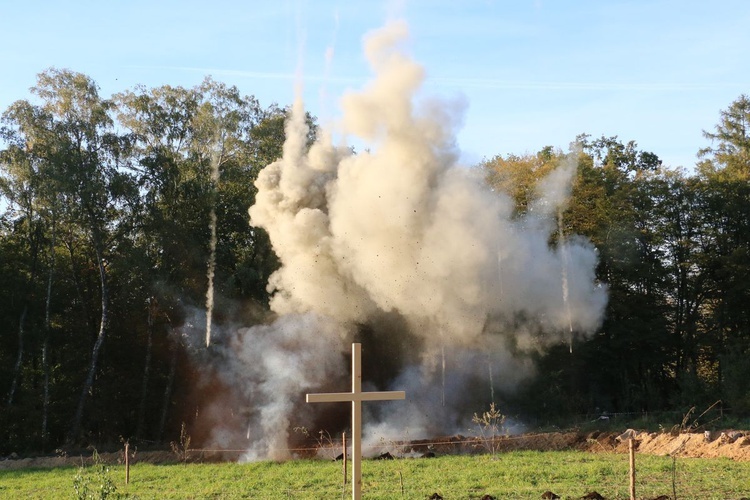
pixel 491 425
pixel 94 482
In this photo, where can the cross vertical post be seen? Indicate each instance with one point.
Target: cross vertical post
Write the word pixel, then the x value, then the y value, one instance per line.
pixel 356 421
pixel 356 397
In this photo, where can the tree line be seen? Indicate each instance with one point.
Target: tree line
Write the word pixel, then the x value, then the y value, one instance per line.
pixel 112 210
pixel 118 214
pixel 674 252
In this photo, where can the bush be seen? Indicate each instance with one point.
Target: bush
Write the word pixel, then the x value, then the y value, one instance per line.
pixel 94 482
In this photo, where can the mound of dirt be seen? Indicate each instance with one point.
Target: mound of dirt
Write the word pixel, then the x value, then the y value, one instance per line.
pixel 730 444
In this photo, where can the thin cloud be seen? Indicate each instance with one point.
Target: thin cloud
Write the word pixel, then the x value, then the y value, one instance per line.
pixel 486 83
pixel 490 83
pixel 257 75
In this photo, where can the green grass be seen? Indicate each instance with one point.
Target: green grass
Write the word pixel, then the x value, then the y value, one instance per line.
pixel 510 475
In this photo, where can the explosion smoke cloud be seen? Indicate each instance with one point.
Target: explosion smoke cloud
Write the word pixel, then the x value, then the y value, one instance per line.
pixel 404 244
pixel 401 227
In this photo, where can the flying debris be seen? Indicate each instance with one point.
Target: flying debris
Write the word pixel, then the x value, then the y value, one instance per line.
pixel 398 247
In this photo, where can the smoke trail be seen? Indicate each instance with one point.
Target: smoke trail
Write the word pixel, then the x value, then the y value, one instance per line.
pixel 442 374
pixel 564 273
pixel 329 55
pixel 398 247
pixel 492 382
pixel 215 160
pixel 554 192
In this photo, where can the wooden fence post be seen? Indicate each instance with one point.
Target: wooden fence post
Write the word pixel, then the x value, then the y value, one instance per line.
pixel 343 440
pixel 127 462
pixel 631 448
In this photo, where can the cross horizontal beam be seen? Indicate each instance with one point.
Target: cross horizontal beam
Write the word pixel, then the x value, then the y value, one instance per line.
pixel 341 397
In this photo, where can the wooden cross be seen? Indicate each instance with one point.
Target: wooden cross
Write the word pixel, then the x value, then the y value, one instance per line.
pixel 356 397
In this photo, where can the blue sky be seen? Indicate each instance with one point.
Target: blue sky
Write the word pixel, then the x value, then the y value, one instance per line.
pixel 532 73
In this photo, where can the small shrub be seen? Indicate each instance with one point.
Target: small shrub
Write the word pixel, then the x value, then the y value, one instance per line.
pixel 491 425
pixel 182 448
pixel 94 482
pixel 326 446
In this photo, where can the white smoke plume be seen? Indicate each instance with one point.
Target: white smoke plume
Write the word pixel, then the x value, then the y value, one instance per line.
pixel 402 248
pixel 215 178
pixel 401 227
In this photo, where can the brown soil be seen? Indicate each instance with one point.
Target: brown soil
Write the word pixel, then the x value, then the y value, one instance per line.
pixel 734 445
pixel 730 444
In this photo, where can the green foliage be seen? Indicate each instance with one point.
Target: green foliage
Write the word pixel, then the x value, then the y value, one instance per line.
pixel 673 253
pixel 516 176
pixel 94 482
pixel 729 155
pixel 736 379
pixel 105 206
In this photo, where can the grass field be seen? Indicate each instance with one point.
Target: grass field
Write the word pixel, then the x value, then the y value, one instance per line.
pixel 510 475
